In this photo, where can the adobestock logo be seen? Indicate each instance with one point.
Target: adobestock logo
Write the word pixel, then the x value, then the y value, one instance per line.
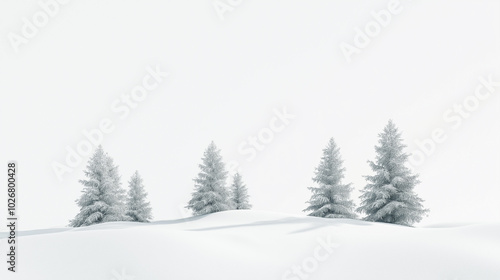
pixel 224 6
pixel 454 118
pixel 122 275
pixel 363 37
pixel 322 252
pixel 122 108
pixel 258 142
pixel 40 19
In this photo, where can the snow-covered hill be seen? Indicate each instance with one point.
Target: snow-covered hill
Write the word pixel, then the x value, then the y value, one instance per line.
pixel 257 245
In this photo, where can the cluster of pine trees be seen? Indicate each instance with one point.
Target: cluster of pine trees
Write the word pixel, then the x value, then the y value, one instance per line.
pixel 104 200
pixel 211 194
pixel 388 196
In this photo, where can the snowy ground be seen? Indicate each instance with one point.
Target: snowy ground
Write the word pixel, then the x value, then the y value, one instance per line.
pixel 257 245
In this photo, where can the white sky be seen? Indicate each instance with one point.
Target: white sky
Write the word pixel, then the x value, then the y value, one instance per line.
pixel 226 78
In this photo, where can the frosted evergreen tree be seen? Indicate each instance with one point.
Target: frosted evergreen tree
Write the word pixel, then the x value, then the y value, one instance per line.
pixel 118 209
pixel 211 194
pixel 239 194
pixel 388 197
pixel 102 198
pixel 331 199
pixel 138 209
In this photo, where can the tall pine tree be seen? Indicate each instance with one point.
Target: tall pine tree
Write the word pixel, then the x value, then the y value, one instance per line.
pixel 239 194
pixel 102 198
pixel 388 197
pixel 331 199
pixel 138 209
pixel 211 194
pixel 119 207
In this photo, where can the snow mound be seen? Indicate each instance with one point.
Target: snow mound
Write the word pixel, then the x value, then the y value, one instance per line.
pixel 257 245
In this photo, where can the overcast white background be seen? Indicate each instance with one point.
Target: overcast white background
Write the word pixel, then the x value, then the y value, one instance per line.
pixel 226 79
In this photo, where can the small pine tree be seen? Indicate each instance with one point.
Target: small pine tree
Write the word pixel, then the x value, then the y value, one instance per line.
pixel 138 209
pixel 331 198
pixel 388 197
pixel 239 194
pixel 102 197
pixel 211 194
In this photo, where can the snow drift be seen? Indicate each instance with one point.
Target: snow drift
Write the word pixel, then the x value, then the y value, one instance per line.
pixel 257 245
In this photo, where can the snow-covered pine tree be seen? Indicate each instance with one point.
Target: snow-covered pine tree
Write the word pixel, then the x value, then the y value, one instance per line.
pixel 239 194
pixel 138 209
pixel 118 209
pixel 331 199
pixel 211 194
pixel 388 197
pixel 102 198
